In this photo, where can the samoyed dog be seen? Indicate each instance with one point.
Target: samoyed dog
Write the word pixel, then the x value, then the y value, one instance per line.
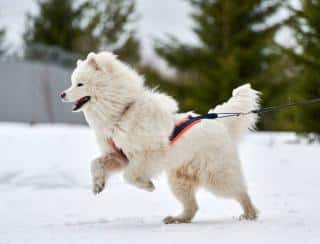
pixel 132 125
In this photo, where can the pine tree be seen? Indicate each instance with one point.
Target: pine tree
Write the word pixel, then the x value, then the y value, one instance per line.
pixel 65 30
pixel 306 26
pixel 235 46
pixel 2 47
pixel 117 33
pixel 60 28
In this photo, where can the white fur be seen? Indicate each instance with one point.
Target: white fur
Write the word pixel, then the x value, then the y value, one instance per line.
pixel 244 99
pixel 140 120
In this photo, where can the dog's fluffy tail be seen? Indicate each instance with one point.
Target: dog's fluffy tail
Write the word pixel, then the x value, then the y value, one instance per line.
pixel 244 99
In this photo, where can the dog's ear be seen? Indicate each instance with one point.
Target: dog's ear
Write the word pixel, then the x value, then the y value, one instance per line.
pixel 79 62
pixel 94 64
pixel 103 61
pixel 91 55
pixel 92 61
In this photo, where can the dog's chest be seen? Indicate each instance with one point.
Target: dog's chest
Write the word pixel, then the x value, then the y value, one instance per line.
pixel 102 130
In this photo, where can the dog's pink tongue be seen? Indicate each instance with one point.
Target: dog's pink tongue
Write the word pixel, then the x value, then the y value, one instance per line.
pixel 75 105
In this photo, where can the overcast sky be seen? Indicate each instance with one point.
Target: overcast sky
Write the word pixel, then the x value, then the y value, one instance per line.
pixel 158 18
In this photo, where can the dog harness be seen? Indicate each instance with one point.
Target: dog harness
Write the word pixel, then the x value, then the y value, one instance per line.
pixel 184 125
pixel 180 128
pixel 118 150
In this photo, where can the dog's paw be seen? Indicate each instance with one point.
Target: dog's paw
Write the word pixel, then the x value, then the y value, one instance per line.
pixel 176 220
pixel 248 216
pixel 145 185
pixel 98 176
pixel 98 186
pixel 150 186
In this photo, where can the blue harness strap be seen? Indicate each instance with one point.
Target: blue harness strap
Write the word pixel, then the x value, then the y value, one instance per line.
pixel 187 123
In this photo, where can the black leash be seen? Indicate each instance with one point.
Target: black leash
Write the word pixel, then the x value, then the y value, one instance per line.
pixel 191 120
pixel 258 111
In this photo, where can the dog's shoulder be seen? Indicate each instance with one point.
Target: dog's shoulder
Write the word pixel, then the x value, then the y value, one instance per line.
pixel 148 123
pixel 156 109
pixel 162 100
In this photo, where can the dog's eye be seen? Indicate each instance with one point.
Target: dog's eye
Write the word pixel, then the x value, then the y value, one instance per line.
pixel 79 84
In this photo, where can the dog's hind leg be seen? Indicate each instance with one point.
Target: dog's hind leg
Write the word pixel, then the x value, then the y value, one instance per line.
pixel 231 184
pixel 183 182
pixel 250 212
pixel 102 167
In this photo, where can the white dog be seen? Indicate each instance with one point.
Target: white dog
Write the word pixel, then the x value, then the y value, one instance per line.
pixel 132 125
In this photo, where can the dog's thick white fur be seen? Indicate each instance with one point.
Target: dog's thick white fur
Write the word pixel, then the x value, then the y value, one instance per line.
pixel 140 120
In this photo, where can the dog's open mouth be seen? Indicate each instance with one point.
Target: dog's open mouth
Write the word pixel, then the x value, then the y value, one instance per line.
pixel 79 103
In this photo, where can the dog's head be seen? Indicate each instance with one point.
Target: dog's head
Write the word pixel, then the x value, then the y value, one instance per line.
pixel 98 78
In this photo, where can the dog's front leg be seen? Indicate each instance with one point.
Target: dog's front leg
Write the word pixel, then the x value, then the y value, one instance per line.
pixel 104 166
pixel 135 175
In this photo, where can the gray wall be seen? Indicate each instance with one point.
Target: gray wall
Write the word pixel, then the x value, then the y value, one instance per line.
pixel 29 93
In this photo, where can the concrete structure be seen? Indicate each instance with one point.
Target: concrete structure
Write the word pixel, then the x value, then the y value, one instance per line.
pixel 29 93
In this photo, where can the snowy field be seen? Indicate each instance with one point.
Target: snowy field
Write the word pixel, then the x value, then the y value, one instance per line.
pixel 46 195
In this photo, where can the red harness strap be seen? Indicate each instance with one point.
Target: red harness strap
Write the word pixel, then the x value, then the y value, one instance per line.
pixel 117 149
pixel 181 127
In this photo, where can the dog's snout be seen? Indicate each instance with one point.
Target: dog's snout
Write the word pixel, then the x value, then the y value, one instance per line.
pixel 62 95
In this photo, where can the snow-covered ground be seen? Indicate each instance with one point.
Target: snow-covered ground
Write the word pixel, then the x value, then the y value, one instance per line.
pixel 46 195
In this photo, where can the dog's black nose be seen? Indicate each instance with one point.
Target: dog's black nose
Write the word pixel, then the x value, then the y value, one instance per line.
pixel 62 95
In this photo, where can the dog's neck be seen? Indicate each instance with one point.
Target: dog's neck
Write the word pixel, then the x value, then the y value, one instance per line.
pixel 106 116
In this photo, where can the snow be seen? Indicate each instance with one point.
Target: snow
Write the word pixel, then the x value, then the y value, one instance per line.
pixel 46 195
